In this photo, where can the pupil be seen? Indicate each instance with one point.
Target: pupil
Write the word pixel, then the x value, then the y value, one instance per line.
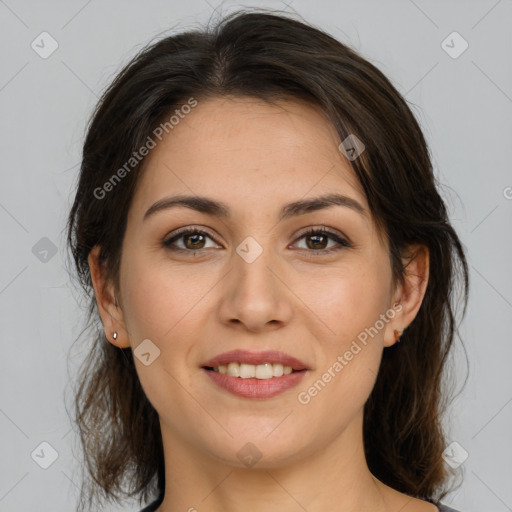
pixel 315 239
pixel 194 243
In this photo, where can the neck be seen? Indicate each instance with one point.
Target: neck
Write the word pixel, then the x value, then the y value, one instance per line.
pixel 335 477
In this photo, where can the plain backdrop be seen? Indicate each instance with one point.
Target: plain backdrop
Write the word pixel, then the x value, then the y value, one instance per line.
pixel 462 100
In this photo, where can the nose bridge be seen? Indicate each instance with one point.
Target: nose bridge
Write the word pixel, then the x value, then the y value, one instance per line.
pixel 253 294
pixel 251 269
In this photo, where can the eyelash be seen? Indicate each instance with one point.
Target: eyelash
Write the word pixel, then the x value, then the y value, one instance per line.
pixel 342 242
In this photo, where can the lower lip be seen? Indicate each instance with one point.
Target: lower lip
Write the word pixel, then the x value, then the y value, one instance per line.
pixel 255 388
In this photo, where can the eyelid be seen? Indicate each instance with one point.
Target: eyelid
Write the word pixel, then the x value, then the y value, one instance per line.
pixel 341 240
pixel 324 230
pixel 178 233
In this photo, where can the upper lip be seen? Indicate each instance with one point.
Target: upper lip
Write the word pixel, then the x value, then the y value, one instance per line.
pixel 255 358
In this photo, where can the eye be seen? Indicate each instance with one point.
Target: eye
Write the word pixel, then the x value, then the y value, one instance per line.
pixel 189 240
pixel 317 241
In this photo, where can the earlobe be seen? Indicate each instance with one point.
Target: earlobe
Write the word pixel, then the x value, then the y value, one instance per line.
pixel 397 325
pixel 110 312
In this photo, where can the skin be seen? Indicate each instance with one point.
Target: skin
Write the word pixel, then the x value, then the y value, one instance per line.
pixel 257 157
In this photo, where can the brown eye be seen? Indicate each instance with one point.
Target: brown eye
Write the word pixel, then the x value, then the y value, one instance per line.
pixel 189 240
pixel 317 241
pixel 194 241
pixel 322 241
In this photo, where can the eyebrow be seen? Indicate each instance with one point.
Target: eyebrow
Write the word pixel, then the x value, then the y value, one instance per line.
pixel 218 209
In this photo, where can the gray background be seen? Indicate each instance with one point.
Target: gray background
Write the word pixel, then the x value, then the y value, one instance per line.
pixel 464 105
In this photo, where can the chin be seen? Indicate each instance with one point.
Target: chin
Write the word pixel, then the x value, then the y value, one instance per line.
pixel 258 451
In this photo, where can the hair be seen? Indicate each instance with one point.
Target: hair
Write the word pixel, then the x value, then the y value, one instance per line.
pixel 271 57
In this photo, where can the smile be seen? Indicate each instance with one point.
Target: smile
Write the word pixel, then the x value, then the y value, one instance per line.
pixel 248 371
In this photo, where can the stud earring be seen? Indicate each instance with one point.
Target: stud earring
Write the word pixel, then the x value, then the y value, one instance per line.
pixel 398 334
pixel 114 335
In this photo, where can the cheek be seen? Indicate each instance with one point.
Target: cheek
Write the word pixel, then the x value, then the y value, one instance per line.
pixel 350 305
pixel 157 299
pixel 350 299
pixel 157 304
pixel 355 301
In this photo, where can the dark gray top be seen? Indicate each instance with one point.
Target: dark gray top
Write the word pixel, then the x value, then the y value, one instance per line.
pixel 444 508
pixel 153 506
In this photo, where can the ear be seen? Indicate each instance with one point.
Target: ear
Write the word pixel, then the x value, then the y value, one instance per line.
pixel 108 307
pixel 408 296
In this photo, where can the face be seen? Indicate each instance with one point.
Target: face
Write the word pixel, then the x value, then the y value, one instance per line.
pixel 255 275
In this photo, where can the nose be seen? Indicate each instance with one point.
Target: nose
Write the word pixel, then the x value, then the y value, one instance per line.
pixel 255 295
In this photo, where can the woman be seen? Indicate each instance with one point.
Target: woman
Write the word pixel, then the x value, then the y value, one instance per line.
pixel 258 227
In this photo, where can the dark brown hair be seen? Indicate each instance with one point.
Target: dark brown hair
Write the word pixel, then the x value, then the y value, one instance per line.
pixel 271 57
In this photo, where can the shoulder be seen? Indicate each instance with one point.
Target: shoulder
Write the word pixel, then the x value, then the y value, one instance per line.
pixel 445 508
pixel 152 507
pixel 441 506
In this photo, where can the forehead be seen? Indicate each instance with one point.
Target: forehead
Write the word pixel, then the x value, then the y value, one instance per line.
pixel 248 152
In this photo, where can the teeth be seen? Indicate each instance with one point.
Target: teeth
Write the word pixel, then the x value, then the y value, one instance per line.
pixel 248 371
pixel 233 369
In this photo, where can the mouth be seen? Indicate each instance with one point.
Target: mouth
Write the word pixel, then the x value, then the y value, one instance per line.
pixel 250 371
pixel 255 374
pixel 260 365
